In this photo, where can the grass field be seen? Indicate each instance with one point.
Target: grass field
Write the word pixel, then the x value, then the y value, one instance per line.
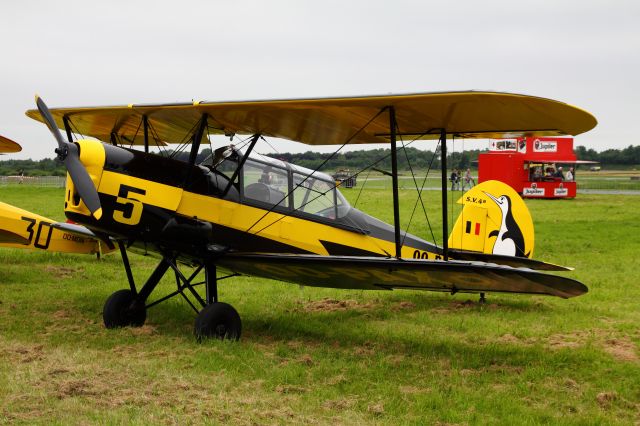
pixel 321 356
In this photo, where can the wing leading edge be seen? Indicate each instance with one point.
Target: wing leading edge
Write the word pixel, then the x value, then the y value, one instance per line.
pixel 370 273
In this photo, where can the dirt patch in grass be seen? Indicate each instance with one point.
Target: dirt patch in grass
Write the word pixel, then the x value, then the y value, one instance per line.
pixel 341 403
pixel 413 390
pixel 466 304
pixel 510 338
pixel 76 387
pixel 335 380
pixel 376 409
pixel 333 305
pixel 621 349
pixel 605 399
pixel 290 389
pixel 403 306
pixel 62 271
pixel 145 330
pixel 572 340
pixel 23 353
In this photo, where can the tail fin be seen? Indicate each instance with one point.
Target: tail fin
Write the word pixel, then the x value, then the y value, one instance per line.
pixel 494 220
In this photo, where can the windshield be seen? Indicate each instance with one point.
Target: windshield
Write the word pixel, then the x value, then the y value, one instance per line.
pixel 276 183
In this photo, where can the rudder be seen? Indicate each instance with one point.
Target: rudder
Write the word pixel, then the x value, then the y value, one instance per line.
pixel 494 220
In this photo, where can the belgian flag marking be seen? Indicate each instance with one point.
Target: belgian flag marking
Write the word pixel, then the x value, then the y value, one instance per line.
pixel 476 226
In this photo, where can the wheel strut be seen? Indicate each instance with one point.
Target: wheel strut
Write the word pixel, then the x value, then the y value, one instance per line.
pixel 215 319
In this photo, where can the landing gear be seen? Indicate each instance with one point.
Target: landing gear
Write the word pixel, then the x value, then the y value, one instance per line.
pixel 218 320
pixel 120 310
pixel 214 320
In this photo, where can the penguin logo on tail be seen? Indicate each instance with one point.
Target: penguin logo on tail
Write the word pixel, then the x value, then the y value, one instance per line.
pixel 509 241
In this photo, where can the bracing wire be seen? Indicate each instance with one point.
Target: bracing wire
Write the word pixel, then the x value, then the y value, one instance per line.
pixel 362 186
pixel 419 190
pixel 311 174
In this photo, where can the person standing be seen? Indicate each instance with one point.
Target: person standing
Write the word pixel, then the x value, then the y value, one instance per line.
pixel 455 179
pixel 570 175
pixel 468 179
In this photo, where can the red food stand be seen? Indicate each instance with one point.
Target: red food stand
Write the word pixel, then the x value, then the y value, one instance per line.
pixel 530 166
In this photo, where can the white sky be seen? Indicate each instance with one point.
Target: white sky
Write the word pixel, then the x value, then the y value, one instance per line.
pixel 86 53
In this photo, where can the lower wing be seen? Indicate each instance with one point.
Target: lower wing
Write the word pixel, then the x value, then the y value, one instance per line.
pixel 374 273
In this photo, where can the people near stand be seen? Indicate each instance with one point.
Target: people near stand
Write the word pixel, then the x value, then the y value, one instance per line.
pixel 570 174
pixel 558 173
pixel 455 179
pixel 468 180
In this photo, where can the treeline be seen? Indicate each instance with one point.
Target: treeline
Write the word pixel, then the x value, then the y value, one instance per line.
pixel 629 156
pixel 353 160
pixel 46 167
pixel 358 160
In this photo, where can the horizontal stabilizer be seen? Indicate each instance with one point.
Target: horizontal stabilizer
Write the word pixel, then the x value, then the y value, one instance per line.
pixel 374 273
pixel 83 232
pixel 75 229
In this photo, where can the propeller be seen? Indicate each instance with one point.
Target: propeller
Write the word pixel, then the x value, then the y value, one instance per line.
pixel 69 154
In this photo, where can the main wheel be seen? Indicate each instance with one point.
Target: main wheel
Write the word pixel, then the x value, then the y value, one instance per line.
pixel 119 311
pixel 219 320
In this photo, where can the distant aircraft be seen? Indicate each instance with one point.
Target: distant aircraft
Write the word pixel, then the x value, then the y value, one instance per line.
pixel 268 218
pixel 22 229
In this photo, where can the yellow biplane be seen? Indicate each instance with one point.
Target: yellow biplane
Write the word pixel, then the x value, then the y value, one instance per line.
pixel 22 229
pixel 244 214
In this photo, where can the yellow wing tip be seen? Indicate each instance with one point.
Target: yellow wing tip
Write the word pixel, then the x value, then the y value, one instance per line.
pixel 98 213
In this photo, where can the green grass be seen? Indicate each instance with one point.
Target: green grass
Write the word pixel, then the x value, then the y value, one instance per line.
pixel 322 356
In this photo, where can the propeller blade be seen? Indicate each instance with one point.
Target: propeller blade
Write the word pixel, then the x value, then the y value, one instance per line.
pixel 69 153
pixel 50 122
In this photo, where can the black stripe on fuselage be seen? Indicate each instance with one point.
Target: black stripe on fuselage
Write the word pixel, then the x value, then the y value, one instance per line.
pixel 153 229
pixel 336 249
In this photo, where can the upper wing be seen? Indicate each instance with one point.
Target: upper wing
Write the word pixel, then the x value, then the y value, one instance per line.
pixel 371 273
pixel 330 121
pixel 7 145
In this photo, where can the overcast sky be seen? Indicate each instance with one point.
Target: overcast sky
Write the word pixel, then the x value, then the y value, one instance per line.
pixel 86 53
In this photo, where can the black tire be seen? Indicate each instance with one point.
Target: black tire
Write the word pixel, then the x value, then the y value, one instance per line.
pixel 118 311
pixel 218 320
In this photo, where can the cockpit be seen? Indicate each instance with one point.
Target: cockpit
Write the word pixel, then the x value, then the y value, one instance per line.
pixel 274 184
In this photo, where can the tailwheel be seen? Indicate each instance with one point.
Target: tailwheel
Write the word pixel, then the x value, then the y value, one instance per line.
pixel 120 310
pixel 218 320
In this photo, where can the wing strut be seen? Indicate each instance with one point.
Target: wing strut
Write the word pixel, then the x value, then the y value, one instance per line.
pixel 254 139
pixel 394 180
pixel 197 138
pixel 67 128
pixel 145 122
pixel 443 166
pixel 195 145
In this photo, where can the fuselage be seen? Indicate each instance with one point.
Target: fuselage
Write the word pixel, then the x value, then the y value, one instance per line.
pixel 159 204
